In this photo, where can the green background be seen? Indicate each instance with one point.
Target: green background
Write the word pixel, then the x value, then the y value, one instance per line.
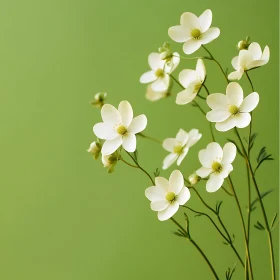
pixel 62 216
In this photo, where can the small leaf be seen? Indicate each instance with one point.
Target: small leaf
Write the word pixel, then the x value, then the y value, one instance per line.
pixel 259 226
pixel 263 156
pixel 263 195
pixel 218 206
pixel 252 140
pixel 178 234
pixel 157 172
pixel 238 150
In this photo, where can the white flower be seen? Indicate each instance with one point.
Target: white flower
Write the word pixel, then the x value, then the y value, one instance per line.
pixel 192 81
pixel 159 75
pixel 249 59
pixel 194 31
pixel 166 196
pixel 153 95
pixel 230 109
pixel 216 162
pixel 119 128
pixel 94 149
pixel 179 146
pixel 194 179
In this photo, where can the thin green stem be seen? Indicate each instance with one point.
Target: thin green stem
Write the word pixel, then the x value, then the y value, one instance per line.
pixel 212 58
pixel 226 191
pixel 128 163
pixel 150 138
pixel 248 257
pixel 208 93
pixel 135 161
pixel 212 132
pixel 267 227
pixel 193 58
pixel 201 97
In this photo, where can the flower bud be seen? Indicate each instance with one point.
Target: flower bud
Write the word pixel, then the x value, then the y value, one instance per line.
pixel 99 99
pixel 194 178
pixel 95 149
pixel 165 52
pixel 110 161
pixel 244 44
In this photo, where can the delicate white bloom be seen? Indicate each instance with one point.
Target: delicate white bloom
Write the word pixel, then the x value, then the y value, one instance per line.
pixel 249 59
pixel 94 149
pixel 153 95
pixel 192 81
pixel 166 196
pixel 119 127
pixel 194 31
pixel 230 109
pixel 216 162
pixel 159 75
pixel 179 146
pixel 194 179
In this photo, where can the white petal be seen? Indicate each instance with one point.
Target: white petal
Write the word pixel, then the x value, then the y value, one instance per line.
pixel 161 83
pixel 234 63
pixel 229 153
pixel 227 168
pixel 155 61
pixel 155 193
pixel 245 58
pixel 200 69
pixel 255 50
pixel 242 120
pixel 176 182
pixel 194 137
pixel 159 205
pixel 214 183
pixel 191 46
pixel 148 77
pixel 187 76
pixel 217 101
pixel 183 196
pixel 217 115
pixel 213 152
pixel 178 33
pixel 250 102
pixel 152 95
pixel 104 131
pixel 168 144
pixel 185 96
pixel 138 124
pixel 256 63
pixel 126 112
pixel 205 20
pixel 110 114
pixel 175 61
pixel 226 125
pixel 129 142
pixel 182 155
pixel 235 94
pixel 182 136
pixel 210 35
pixel 169 160
pixel 110 146
pixel 189 20
pixel 163 183
pixel 203 172
pixel 201 157
pixel 168 212
pixel 266 54
pixel 235 75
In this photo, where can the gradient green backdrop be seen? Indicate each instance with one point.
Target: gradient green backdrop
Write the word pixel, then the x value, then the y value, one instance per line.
pixel 62 216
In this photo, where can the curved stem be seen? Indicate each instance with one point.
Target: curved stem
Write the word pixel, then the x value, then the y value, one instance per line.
pixel 193 58
pixel 128 163
pixel 148 137
pixel 226 191
pixel 212 132
pixel 141 168
pixel 208 93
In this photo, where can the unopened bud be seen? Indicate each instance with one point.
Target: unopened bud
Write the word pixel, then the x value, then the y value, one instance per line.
pixel 95 149
pixel 194 178
pixel 99 99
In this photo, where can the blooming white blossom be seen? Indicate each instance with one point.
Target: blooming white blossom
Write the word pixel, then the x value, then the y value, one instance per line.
pixel 94 149
pixel 153 95
pixel 216 162
pixel 192 81
pixel 249 59
pixel 159 75
pixel 230 109
pixel 179 146
pixel 194 31
pixel 166 196
pixel 119 127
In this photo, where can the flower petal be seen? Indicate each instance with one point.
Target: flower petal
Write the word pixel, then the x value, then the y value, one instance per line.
pixel 126 112
pixel 159 205
pixel 217 115
pixel 234 63
pixel 110 114
pixel 185 96
pixel 110 146
pixel 266 54
pixel 227 168
pixel 255 50
pixel 148 77
pixel 155 193
pixel 155 61
pixel 200 69
pixel 179 33
pixel 203 172
pixel 138 124
pixel 182 155
pixel 169 160
pixel 161 83
pixel 183 196
pixel 214 183
pixel 210 35
pixel 168 144
pixel 194 137
pixel 163 183
pixel 175 61
pixel 176 182
pixel 242 120
pixel 234 93
pixel 250 102
pixel 187 76
pixel 217 101
pixel 168 212
pixel 236 75
pixel 191 46
pixel 226 125
pixel 213 152
pixel 205 20
pixel 152 95
pixel 229 153
pixel 129 142
pixel 182 136
pixel 104 131
pixel 189 20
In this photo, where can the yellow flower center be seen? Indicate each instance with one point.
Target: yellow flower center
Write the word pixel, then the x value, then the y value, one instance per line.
pixel 170 196
pixel 159 73
pixel 178 149
pixel 233 109
pixel 196 33
pixel 217 167
pixel 197 87
pixel 121 129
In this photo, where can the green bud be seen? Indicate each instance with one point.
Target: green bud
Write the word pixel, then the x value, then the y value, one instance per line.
pixel 244 44
pixel 95 149
pixel 194 179
pixel 99 99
